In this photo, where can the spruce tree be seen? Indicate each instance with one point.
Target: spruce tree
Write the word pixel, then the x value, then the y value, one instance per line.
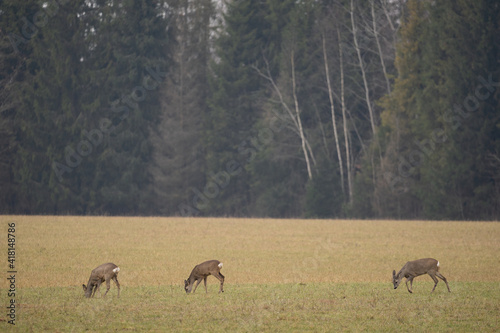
pixel 128 69
pixel 47 116
pixel 15 73
pixel 178 164
pixel 442 114
pixel 86 111
pixel 233 109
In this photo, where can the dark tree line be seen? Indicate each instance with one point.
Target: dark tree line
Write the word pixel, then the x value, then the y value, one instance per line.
pixel 273 108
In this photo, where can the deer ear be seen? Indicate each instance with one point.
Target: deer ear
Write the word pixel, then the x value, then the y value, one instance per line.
pixel 84 287
pixel 393 273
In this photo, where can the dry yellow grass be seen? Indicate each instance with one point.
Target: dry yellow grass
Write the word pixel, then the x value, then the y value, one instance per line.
pixel 57 251
pixel 264 261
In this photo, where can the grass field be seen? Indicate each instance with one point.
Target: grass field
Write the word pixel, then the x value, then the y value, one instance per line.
pixel 281 275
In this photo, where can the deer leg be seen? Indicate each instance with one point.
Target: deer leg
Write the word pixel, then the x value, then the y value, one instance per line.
pixel 435 281
pixel 411 282
pixel 205 283
pixel 196 285
pixel 439 275
pixel 117 285
pixel 108 285
pixel 222 282
pixel 96 288
pixel 99 286
pixel 220 277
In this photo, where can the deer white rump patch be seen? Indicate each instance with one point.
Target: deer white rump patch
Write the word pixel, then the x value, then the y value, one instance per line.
pixel 438 264
pixel 116 270
pixel 220 265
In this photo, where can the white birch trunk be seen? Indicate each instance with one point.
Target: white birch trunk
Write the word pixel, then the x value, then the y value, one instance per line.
pixel 344 119
pixel 363 73
pixel 297 111
pixel 334 121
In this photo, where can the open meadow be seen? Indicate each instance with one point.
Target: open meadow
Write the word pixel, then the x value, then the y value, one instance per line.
pixel 281 275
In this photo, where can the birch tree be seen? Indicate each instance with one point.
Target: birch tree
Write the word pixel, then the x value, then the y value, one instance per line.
pixel 366 87
pixel 332 110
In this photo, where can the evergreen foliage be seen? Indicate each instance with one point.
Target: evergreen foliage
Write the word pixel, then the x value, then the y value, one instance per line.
pixel 344 108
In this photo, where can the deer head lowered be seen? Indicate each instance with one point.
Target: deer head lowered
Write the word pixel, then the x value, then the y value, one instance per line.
pixel 104 272
pixel 415 268
pixel 201 272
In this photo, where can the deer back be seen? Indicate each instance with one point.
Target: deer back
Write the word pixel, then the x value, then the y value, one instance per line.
pixel 100 273
pixel 420 267
pixel 415 268
pixel 201 271
pixel 205 268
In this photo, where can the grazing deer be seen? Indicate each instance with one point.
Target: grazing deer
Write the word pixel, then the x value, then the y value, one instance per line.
pixel 201 272
pixel 105 272
pixel 415 268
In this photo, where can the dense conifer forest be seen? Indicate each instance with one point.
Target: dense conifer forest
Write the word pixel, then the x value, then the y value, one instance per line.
pixel 272 108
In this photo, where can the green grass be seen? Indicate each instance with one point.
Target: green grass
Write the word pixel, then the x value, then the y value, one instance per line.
pixel 315 307
pixel 281 275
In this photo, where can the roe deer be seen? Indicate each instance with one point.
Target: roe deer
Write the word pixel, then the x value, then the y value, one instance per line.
pixel 201 272
pixel 105 272
pixel 415 268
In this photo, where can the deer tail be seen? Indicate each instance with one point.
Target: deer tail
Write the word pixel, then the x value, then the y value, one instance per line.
pixel 220 265
pixel 116 270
